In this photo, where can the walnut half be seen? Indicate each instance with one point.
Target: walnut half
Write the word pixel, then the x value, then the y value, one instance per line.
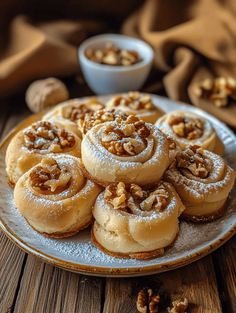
pixel 49 177
pixel 147 301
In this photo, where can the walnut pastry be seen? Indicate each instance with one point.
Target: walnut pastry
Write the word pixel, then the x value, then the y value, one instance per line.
pixel 136 222
pixel 70 114
pixel 129 150
pixel 54 196
pixel 31 144
pixel 188 128
pixel 203 181
pixel 137 104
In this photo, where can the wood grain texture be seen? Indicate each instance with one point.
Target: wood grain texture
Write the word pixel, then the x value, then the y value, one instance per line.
pixel 196 282
pixel 225 268
pixel 47 289
pixel 11 266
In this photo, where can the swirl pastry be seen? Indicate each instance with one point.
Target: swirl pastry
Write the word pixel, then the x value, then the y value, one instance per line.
pixel 131 151
pixel 70 114
pixel 203 182
pixel 189 128
pixel 135 222
pixel 55 198
pixel 30 145
pixel 135 103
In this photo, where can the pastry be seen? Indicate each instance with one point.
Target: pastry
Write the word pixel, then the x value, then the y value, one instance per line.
pixel 130 150
pixel 189 128
pixel 55 198
pixel 31 144
pixel 136 222
pixel 70 114
pixel 203 182
pixel 137 104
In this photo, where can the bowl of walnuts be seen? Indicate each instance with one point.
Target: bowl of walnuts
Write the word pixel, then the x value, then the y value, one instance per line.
pixel 114 63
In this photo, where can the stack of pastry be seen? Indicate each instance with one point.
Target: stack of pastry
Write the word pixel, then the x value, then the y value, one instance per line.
pixel 108 161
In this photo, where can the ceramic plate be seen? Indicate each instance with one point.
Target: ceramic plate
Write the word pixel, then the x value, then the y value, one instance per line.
pixel 79 255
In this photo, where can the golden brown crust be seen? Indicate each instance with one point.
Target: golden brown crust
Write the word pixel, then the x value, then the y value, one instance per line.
pixel 205 218
pixel 139 255
pixel 62 235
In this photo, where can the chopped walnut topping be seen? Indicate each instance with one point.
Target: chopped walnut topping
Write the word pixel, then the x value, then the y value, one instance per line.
pixel 48 176
pixel 194 160
pixel 44 135
pixel 94 118
pixel 157 200
pixel 127 137
pixel 133 100
pixel 125 197
pixel 147 301
pixel 179 306
pixel 220 91
pixel 112 55
pixel 77 111
pixel 187 127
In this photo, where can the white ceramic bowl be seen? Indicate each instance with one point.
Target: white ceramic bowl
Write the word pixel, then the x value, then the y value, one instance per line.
pixel 102 78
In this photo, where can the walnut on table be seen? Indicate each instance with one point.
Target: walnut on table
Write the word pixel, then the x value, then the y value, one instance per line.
pixel 45 93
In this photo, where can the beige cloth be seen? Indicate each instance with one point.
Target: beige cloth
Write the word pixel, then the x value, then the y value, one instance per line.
pixel 192 40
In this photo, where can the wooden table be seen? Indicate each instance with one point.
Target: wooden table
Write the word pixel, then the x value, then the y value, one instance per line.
pixel 29 285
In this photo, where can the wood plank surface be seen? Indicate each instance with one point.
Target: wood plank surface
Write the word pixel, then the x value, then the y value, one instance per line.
pixel 225 268
pixel 196 282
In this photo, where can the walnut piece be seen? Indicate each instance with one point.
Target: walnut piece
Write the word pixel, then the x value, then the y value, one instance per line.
pixel 48 176
pixel 134 100
pixel 94 118
pixel 186 127
pixel 179 306
pixel 77 112
pixel 194 160
pixel 45 93
pixel 220 91
pixel 125 197
pixel 126 137
pixel 113 55
pixel 44 135
pixel 147 301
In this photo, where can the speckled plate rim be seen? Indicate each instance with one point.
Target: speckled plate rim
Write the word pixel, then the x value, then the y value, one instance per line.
pixel 110 271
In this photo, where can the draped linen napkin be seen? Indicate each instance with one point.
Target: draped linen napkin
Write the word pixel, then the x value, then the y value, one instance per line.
pixel 192 40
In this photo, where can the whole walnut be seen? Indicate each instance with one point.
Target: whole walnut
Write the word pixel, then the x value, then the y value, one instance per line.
pixel 45 93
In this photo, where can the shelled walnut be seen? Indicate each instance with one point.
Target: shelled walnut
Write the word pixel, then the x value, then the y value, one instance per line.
pixel 44 135
pixel 193 160
pixel 147 301
pixel 220 91
pixel 111 54
pixel 179 306
pixel 186 127
pixel 45 93
pixel 48 176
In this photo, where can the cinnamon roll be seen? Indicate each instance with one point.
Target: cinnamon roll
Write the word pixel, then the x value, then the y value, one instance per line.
pixel 189 128
pixel 203 182
pixel 131 151
pixel 30 145
pixel 138 104
pixel 70 114
pixel 55 198
pixel 136 222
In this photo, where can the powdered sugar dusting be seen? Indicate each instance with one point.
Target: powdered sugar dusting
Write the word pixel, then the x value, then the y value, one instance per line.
pixel 79 249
